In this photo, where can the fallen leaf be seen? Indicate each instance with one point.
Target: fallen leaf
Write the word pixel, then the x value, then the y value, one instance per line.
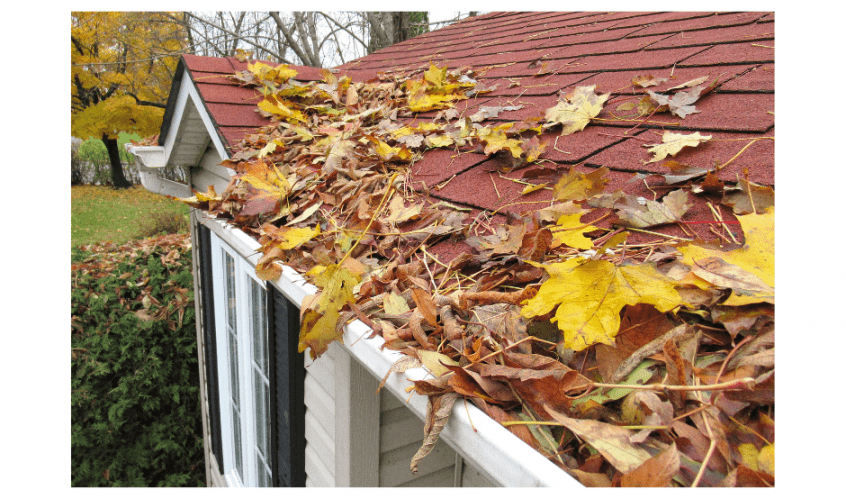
pixel 673 143
pixel 689 84
pixel 576 110
pixel 320 318
pixel 681 103
pixel 495 140
pixel 681 172
pixel 394 304
pixel 570 231
pixel 399 213
pixel 611 441
pixel 746 287
pixel 435 362
pixel 749 198
pixel 657 471
pixel 590 295
pixel 437 414
pixel 488 112
pixel 645 81
pixel 756 256
pixel 641 213
pixel 576 186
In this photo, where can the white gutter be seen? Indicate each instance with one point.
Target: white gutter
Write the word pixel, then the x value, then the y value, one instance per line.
pixel 150 160
pixel 497 453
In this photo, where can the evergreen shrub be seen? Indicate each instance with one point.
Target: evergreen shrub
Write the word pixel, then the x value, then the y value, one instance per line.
pixel 135 416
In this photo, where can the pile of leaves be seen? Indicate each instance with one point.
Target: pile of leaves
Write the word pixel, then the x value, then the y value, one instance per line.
pixel 626 364
pixel 135 413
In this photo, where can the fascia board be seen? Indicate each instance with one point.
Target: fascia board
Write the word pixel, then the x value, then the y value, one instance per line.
pixel 497 453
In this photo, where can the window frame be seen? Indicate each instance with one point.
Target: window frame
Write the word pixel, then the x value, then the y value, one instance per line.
pixel 245 276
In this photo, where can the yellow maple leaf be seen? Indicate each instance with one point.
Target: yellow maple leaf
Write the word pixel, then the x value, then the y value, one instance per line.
pixel 270 187
pixel 576 111
pixel 590 294
pixel 273 106
pixel 756 256
pixel 435 75
pixel 495 140
pixel 388 153
pixel 288 238
pixel 673 143
pixel 264 72
pixel 320 317
pixel 576 186
pixel 571 232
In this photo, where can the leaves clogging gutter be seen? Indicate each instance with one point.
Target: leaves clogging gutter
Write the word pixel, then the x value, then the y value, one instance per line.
pixel 625 364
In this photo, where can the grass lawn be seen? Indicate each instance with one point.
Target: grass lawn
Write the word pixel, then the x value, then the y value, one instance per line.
pixel 100 214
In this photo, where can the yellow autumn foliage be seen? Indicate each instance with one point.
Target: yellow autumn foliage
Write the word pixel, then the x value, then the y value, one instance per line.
pixel 321 313
pixel 590 294
pixel 756 256
pixel 118 59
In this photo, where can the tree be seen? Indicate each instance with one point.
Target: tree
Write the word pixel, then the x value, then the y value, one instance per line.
pixel 122 65
pixel 317 39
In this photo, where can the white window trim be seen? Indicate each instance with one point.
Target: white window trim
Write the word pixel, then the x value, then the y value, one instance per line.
pixel 244 274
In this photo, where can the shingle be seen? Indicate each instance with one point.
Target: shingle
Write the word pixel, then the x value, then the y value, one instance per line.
pixel 757 79
pixel 621 81
pixel 758 158
pixel 734 53
pixel 745 33
pixel 655 59
pixel 710 21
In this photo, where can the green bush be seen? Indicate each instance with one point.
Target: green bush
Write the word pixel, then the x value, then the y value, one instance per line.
pixel 135 416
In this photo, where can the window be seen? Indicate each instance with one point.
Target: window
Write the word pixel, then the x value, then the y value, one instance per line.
pixel 241 334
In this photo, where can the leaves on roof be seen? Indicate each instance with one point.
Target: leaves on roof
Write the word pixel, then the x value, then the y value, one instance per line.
pixel 548 321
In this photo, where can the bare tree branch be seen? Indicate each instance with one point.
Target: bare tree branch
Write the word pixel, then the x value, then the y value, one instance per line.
pixel 207 22
pixel 359 40
pixel 292 43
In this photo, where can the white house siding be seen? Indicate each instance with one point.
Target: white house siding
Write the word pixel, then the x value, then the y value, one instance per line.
pixel 319 399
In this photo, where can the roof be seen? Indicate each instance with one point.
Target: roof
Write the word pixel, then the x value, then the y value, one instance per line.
pixel 534 58
pixel 231 107
pixel 533 62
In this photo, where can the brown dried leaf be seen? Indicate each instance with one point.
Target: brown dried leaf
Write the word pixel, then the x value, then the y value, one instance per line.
pixel 610 441
pixel 657 471
pixel 749 197
pixel 645 81
pixel 437 414
pixel 642 213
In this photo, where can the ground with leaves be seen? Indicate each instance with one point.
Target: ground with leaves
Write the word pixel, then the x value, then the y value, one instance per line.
pixel 626 360
pixel 103 214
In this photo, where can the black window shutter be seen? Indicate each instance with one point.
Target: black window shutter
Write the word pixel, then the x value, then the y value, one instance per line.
pixel 209 342
pixel 286 387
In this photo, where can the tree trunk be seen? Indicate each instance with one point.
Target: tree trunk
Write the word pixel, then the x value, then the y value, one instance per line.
pixel 118 180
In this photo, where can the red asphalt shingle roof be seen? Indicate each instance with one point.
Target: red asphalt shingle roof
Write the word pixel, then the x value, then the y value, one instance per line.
pixel 534 57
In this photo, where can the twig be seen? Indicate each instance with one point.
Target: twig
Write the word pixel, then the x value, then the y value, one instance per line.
pixel 744 383
pixel 711 447
pixel 376 214
pixel 718 168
